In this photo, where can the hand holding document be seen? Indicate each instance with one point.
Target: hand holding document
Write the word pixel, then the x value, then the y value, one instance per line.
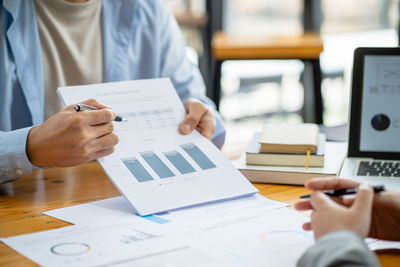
pixel 154 166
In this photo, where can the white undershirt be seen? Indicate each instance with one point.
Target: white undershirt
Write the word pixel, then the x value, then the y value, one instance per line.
pixel 71 46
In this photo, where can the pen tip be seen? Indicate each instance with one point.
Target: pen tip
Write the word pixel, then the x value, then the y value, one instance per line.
pixel 119 118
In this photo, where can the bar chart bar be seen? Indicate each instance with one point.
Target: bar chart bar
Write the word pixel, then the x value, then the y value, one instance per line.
pixel 179 162
pixel 156 164
pixel 137 169
pixel 198 156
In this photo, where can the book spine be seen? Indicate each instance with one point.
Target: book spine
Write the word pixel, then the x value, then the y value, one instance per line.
pixel 291 178
pixel 290 160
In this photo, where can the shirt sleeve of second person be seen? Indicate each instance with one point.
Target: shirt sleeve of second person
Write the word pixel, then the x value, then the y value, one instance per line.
pixel 184 75
pixel 342 249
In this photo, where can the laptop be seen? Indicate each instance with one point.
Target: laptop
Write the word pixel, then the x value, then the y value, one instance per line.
pixel 374 135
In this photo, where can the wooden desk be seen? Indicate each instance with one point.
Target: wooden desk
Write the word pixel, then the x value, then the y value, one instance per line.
pixel 22 202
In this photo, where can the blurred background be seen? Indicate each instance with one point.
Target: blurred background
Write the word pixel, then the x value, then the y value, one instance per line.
pixel 255 91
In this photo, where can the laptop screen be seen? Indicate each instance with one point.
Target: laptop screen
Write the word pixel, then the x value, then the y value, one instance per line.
pixel 380 109
pixel 375 104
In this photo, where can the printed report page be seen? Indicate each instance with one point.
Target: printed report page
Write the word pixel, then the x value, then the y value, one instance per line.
pixel 154 166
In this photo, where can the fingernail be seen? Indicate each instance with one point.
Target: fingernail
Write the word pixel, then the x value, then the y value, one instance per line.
pixel 364 186
pixel 187 128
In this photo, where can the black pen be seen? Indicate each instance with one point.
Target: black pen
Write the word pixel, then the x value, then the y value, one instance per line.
pixel 80 107
pixel 348 191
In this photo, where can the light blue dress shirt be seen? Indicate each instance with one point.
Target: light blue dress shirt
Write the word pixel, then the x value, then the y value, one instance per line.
pixel 141 40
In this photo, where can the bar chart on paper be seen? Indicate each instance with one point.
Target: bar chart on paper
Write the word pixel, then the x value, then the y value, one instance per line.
pixel 186 159
pixel 198 156
pixel 164 176
pixel 155 166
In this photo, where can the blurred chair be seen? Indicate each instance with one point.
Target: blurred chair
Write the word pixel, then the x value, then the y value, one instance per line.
pixel 306 47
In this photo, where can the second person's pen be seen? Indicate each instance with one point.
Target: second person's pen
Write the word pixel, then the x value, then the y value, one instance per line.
pixel 348 191
pixel 80 107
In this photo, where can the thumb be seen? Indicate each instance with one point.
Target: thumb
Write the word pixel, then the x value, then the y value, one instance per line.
pixel 364 199
pixel 187 125
pixel 195 110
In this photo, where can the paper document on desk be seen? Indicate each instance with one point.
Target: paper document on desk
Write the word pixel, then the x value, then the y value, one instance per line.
pixel 245 236
pixel 118 209
pixel 95 245
pixel 382 245
pixel 154 166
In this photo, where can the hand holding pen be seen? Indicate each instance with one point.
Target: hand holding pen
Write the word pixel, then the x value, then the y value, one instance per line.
pixel 70 138
pixel 374 207
pixel 347 191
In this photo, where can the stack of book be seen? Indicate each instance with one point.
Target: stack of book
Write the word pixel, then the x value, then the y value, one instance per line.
pixel 279 155
pixel 287 145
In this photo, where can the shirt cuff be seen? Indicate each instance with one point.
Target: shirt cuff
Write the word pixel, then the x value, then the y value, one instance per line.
pixel 218 137
pixel 14 163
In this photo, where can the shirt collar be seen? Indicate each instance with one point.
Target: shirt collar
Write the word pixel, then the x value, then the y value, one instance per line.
pixel 12 6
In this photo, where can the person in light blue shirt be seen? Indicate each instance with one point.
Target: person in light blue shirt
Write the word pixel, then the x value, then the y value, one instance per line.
pixel 139 40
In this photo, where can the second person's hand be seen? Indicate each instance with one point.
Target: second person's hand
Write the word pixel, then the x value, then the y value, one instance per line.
pixel 385 218
pixel 329 216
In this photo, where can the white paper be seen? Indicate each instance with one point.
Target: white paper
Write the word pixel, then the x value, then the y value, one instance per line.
pixel 118 209
pixel 154 166
pixel 94 245
pixel 376 244
pixel 272 238
pixel 275 238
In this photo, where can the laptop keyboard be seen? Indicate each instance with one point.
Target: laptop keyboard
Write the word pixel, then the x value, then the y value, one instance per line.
pixel 379 168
